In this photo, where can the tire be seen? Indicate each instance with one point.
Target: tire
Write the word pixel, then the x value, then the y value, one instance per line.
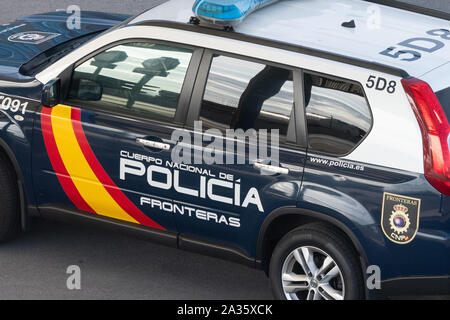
pixel 340 280
pixel 9 215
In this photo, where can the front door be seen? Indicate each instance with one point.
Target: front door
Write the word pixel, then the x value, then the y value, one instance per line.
pixel 103 151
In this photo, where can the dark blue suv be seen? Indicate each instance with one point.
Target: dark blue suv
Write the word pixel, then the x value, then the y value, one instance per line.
pixel 299 148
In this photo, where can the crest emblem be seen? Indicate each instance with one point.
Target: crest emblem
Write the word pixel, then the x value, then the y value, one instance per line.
pixel 33 37
pixel 400 217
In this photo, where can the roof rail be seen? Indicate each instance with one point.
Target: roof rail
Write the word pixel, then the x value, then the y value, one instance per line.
pixel 277 44
pixel 412 8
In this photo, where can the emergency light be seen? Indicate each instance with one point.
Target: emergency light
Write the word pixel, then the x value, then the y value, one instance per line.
pixel 227 12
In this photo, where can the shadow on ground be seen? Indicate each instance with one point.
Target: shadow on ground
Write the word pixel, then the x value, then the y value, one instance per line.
pixel 116 266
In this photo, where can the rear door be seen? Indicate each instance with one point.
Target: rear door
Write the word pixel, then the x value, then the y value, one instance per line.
pixel 245 122
pixel 106 146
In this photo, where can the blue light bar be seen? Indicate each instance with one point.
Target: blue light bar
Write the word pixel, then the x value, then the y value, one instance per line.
pixel 227 12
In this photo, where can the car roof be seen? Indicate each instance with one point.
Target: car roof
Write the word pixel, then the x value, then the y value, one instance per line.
pixel 317 24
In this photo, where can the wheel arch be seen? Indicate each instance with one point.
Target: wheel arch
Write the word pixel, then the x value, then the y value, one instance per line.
pixel 5 148
pixel 22 194
pixel 285 219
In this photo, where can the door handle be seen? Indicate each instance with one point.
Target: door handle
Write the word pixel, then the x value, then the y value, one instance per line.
pixel 153 144
pixel 269 168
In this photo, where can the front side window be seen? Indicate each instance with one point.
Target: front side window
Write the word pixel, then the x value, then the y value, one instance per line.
pixel 140 79
pixel 241 94
pixel 337 113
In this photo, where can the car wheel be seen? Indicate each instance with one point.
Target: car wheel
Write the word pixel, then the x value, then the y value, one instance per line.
pixel 9 216
pixel 314 262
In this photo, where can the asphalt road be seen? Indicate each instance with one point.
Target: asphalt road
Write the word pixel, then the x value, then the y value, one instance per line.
pixel 116 266
pixel 14 9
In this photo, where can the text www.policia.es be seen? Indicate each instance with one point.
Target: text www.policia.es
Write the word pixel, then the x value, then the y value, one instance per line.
pixel 337 163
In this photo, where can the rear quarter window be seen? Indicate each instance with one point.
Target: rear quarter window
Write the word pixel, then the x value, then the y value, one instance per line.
pixel 337 113
pixel 444 98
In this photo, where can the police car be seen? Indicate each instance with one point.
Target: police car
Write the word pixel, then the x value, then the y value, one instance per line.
pixel 357 205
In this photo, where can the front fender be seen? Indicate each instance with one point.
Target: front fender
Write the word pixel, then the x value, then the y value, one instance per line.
pixel 16 130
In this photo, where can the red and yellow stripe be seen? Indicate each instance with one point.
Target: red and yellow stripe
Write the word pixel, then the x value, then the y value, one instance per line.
pixel 80 173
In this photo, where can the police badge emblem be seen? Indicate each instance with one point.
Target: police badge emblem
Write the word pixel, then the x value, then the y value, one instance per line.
pixel 33 37
pixel 400 217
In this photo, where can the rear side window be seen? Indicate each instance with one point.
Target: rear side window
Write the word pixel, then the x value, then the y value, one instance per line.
pixel 338 116
pixel 245 95
pixel 444 98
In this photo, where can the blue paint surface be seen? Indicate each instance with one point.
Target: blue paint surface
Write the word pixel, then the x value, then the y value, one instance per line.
pixel 31 36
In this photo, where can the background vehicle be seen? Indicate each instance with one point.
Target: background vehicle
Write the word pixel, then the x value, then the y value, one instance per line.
pixel 342 164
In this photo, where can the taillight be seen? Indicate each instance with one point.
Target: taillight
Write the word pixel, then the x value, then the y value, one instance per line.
pixel 435 133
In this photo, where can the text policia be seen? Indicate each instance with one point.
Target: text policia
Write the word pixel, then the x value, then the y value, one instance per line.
pixel 220 187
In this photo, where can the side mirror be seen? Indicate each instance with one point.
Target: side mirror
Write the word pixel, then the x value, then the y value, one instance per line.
pixel 89 90
pixel 51 93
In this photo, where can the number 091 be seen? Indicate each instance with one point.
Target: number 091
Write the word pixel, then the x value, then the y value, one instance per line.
pixel 14 105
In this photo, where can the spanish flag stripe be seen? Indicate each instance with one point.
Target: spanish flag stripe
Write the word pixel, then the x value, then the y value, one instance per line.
pixel 85 180
pixel 57 163
pixel 104 178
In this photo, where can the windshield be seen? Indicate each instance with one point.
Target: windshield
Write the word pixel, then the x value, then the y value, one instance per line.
pixel 44 59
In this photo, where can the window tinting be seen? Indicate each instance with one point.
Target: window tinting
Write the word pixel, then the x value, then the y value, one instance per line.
pixel 245 95
pixel 337 113
pixel 142 79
